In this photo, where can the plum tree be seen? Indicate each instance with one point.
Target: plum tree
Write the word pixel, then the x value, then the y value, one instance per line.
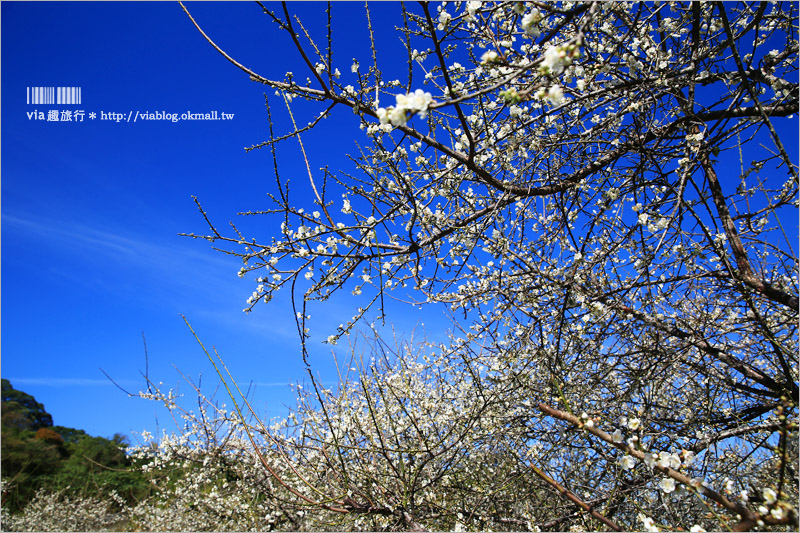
pixel 605 194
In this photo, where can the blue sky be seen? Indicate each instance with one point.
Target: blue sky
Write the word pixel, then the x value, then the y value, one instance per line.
pixel 91 211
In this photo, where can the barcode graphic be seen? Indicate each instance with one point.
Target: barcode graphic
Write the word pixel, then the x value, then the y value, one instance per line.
pixel 41 95
pixel 54 95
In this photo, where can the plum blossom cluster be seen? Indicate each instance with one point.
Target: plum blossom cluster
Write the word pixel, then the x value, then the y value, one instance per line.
pixel 407 105
pixel 556 58
pixel 55 511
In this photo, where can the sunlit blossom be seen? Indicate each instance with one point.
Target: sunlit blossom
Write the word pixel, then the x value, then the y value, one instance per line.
pixel 667 485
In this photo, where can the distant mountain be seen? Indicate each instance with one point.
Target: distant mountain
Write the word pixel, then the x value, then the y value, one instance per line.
pixel 37 454
pixel 22 410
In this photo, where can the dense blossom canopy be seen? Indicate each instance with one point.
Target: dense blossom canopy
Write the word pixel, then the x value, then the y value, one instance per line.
pixel 606 194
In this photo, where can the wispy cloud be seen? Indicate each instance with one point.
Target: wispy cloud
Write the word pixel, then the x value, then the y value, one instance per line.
pixel 176 272
pixel 66 382
pixel 118 245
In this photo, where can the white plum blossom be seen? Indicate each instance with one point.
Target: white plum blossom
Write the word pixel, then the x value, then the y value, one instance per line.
pixel 489 56
pixel 471 8
pixel 416 102
pixel 444 19
pixel 648 523
pixel 555 94
pixel 530 22
pixel 554 60
pixel 667 485
pixel 668 460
